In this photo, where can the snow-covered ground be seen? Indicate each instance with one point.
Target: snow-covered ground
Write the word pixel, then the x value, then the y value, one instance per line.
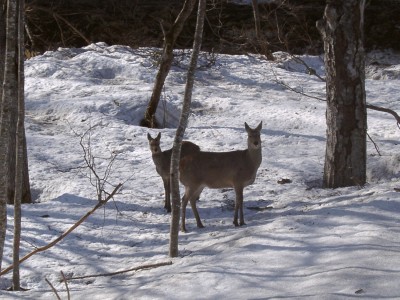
pixel 300 242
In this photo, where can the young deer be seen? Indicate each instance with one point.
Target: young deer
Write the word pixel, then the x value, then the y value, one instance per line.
pixel 162 160
pixel 236 169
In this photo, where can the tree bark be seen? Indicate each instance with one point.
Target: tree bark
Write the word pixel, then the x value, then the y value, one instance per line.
pixel 3 201
pixel 167 57
pixel 9 106
pixel 20 142
pixel 257 22
pixel 2 43
pixel 7 113
pixel 342 32
pixel 176 150
pixel 12 100
pixel 26 187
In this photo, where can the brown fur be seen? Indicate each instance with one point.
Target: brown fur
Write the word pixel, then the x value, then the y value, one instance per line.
pixel 235 169
pixel 162 161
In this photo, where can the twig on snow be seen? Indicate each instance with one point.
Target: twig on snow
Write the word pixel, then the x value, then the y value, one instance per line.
pixel 61 237
pixel 143 267
pixel 53 289
pixel 375 145
pixel 66 285
pixel 387 110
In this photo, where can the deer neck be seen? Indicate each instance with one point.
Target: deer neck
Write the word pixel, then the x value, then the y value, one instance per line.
pixel 158 156
pixel 255 156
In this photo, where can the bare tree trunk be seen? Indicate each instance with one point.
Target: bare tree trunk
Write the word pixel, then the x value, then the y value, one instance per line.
pixel 7 116
pixel 257 22
pixel 20 142
pixel 342 32
pixel 176 201
pixel 167 57
pixel 9 107
pixel 26 187
pixel 3 200
pixel 261 43
pixel 2 44
pixel 12 100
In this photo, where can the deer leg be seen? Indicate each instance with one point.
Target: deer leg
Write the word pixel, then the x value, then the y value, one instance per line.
pixel 241 214
pixel 239 206
pixel 193 201
pixel 190 195
pixel 184 204
pixel 167 189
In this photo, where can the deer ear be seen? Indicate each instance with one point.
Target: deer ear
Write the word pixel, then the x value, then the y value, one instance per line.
pixel 149 137
pixel 247 127
pixel 158 136
pixel 259 126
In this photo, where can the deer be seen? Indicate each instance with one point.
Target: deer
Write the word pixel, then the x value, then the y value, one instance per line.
pixel 162 161
pixel 215 170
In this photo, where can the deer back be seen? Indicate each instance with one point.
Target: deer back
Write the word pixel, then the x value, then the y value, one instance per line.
pixel 162 159
pixel 223 169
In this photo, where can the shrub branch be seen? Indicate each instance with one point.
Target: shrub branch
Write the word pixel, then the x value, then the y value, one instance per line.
pixel 61 237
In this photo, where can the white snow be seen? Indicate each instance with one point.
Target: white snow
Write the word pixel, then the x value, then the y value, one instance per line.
pixel 300 241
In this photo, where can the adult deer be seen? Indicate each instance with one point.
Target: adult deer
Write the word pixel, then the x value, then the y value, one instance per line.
pixel 162 160
pixel 236 169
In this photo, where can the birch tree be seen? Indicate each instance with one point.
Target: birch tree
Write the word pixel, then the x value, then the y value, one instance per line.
pixel 14 179
pixel 9 104
pixel 20 143
pixel 176 201
pixel 342 32
pixel 3 199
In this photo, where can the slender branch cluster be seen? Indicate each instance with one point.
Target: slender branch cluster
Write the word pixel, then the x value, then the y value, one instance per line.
pixel 93 163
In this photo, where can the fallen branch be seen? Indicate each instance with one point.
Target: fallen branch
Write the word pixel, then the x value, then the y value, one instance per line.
pixel 369 106
pixel 66 285
pixel 79 222
pixel 387 110
pixel 143 267
pixel 53 289
pixel 375 145
pixel 311 71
